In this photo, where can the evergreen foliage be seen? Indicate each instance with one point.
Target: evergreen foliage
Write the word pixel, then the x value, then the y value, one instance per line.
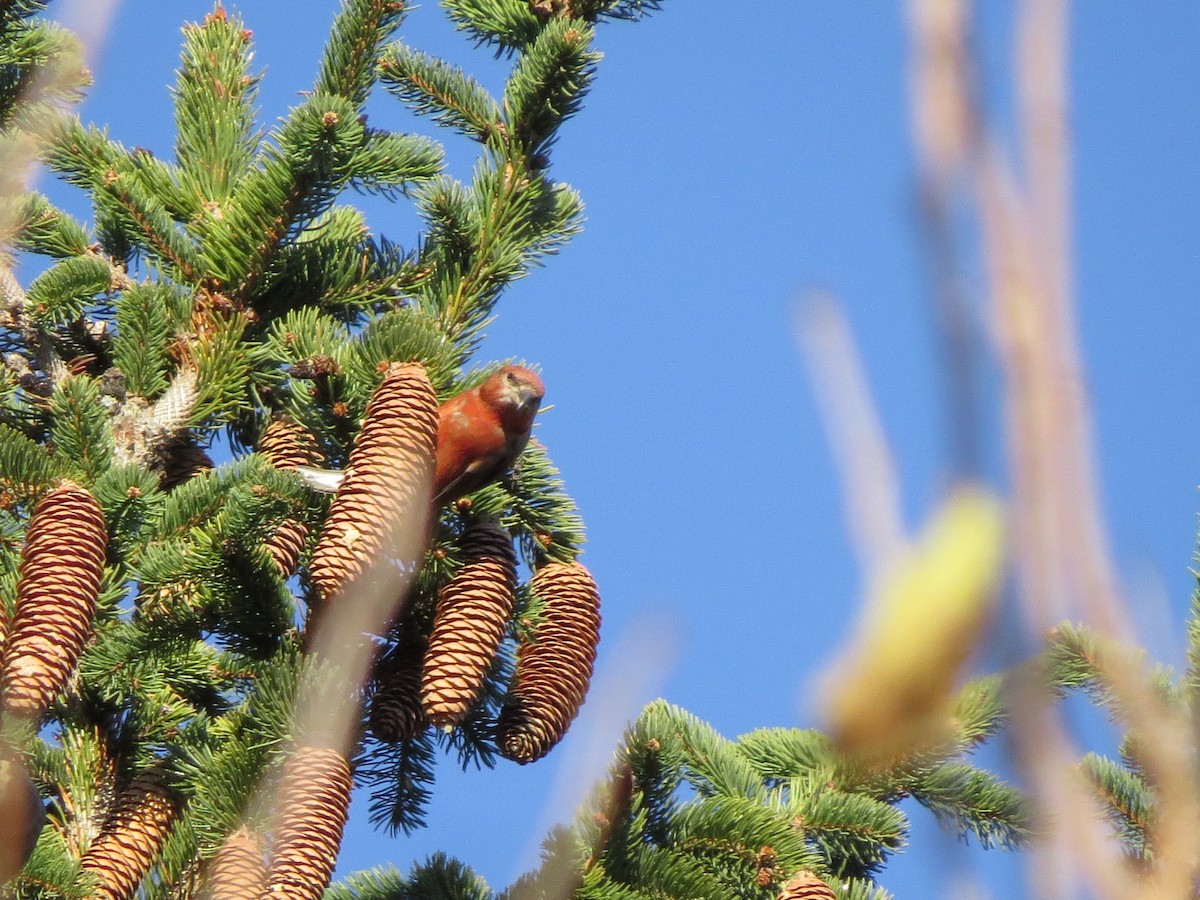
pixel 223 283
pixel 689 813
pixel 231 283
pixel 1126 789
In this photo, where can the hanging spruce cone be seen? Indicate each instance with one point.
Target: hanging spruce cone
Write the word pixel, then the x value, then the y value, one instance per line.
pixel 237 872
pixel 133 835
pixel 472 614
pixel 286 544
pixel 387 480
pixel 308 834
pixel 806 886
pixel 21 816
pixel 57 583
pixel 396 713
pixel 287 445
pixel 180 460
pixel 553 671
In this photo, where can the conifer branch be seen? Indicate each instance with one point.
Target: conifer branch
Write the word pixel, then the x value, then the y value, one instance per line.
pixel 549 82
pixel 978 803
pixel 388 163
pixel 359 31
pixel 433 87
pixel 214 109
pixel 437 876
pixel 39 227
pixel 508 24
pixel 1191 677
pixel 629 10
pixel 1126 800
pixel 1078 659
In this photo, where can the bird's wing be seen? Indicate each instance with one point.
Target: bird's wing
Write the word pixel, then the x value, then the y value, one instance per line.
pixel 478 473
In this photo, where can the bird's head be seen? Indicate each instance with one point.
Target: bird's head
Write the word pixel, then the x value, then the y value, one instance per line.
pixel 514 388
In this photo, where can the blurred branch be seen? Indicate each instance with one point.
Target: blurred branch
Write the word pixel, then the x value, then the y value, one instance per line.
pixel 860 447
pixel 941 93
pixel 1060 549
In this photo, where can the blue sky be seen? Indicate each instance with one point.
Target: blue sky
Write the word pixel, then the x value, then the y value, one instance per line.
pixel 734 157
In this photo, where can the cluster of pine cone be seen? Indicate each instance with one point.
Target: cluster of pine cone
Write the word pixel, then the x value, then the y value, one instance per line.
pixel 437 682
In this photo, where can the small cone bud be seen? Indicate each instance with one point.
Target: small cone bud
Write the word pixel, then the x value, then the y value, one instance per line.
pixel 286 545
pixel 472 615
pixel 396 713
pixel 555 668
pixel 133 835
pixel 806 886
pixel 238 871
pixel 57 583
pixel 287 445
pixel 386 489
pixel 21 816
pixel 315 802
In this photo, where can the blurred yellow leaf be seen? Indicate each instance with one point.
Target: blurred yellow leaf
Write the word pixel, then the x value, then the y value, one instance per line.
pixel 890 692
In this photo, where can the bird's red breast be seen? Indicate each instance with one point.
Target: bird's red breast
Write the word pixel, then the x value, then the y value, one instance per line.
pixel 482 431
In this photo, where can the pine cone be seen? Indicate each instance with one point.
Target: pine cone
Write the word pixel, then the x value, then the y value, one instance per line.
pixel 287 444
pixel 237 872
pixel 132 836
pixel 21 816
pixel 180 460
pixel 472 614
pixel 308 834
pixel 396 714
pixel 286 545
pixel 553 671
pixel 387 480
pixel 806 886
pixel 59 577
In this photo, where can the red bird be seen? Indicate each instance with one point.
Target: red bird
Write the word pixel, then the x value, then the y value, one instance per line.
pixel 481 432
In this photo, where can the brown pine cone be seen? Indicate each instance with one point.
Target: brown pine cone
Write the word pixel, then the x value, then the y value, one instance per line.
pixel 57 584
pixel 132 836
pixel 180 460
pixel 286 545
pixel 238 871
pixel 287 444
pixel 315 802
pixel 806 886
pixel 396 714
pixel 387 481
pixel 554 669
pixel 472 615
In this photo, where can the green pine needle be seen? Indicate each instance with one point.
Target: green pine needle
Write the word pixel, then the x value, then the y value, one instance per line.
pixel 42 228
pixel 79 426
pixel 433 87
pixel 549 82
pixel 214 108
pixel 507 24
pixel 66 289
pixel 361 28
